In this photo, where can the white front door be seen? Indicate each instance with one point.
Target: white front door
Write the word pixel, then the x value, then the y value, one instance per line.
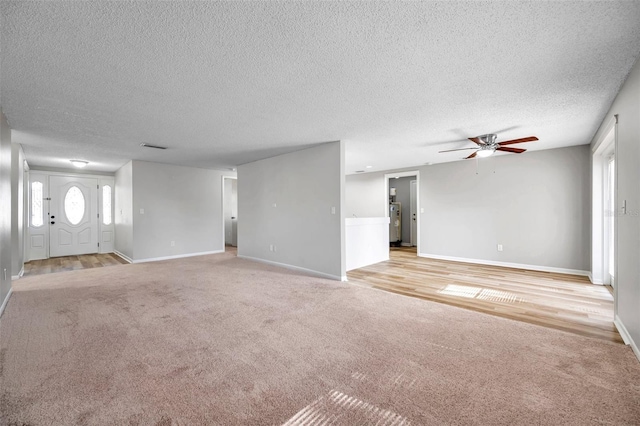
pixel 73 215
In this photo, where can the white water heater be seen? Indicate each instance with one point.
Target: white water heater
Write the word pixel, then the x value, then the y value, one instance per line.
pixel 395 223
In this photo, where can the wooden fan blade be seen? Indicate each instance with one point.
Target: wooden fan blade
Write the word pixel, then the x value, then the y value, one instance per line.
pixel 476 140
pixel 461 149
pixel 514 150
pixel 521 140
pixel 471 156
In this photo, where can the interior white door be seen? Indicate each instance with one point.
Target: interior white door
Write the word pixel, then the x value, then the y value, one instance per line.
pixel 234 212
pixel 230 209
pixel 73 215
pixel 413 201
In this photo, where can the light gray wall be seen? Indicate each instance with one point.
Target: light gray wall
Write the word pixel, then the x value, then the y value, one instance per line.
pixel 286 201
pixel 627 225
pixel 364 195
pixel 181 204
pixel 403 196
pixel 5 208
pixel 537 205
pixel 17 211
pixel 123 210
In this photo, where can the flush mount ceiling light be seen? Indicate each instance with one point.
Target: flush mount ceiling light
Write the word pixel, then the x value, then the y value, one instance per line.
pixel 79 163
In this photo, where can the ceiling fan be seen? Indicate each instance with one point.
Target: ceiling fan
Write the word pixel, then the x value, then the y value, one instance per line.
pixel 487 145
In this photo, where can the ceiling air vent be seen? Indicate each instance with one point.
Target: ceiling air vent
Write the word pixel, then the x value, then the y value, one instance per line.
pixel 148 145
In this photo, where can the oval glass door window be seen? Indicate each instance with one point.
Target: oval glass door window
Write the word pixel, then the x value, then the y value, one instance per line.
pixel 74 205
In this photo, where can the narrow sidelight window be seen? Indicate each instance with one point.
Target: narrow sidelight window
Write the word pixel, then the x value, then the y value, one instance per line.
pixel 106 205
pixel 37 210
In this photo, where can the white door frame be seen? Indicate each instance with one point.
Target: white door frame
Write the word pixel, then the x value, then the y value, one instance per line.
pixel 609 219
pixel 603 149
pixel 413 204
pixel 392 175
pixel 224 236
pixel 25 209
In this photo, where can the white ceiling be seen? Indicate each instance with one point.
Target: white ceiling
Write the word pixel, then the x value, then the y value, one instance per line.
pixel 223 84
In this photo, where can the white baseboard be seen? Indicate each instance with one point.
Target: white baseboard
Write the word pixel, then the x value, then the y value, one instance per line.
pixel 626 337
pixel 507 264
pixel 123 256
pixel 20 274
pixel 405 244
pixel 296 268
pixel 179 256
pixel 5 301
pixel 595 281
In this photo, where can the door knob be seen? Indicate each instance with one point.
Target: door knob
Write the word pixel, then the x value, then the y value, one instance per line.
pixel 53 223
pixel 53 217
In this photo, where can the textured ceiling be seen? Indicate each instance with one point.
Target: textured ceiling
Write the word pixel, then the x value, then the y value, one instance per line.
pixel 223 84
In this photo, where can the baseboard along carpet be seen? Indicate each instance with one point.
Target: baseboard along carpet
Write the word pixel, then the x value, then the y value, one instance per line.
pixel 217 340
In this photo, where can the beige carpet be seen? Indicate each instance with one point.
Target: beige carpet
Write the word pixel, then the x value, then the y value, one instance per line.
pixel 221 340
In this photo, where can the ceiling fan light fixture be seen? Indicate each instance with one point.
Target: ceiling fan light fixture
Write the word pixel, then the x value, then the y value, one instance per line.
pixel 485 152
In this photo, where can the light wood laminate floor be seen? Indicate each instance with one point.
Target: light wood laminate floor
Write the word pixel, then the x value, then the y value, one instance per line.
pixel 71 263
pixel 565 302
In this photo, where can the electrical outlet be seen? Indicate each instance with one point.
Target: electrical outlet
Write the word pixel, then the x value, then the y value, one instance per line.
pixel 499 247
pixel 141 211
pixel 270 247
pixel 333 210
pixel 275 248
pixel 173 243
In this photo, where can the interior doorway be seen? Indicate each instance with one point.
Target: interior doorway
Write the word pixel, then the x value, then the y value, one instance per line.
pixel 610 217
pixel 230 211
pixel 413 212
pixel 604 214
pixel 402 191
